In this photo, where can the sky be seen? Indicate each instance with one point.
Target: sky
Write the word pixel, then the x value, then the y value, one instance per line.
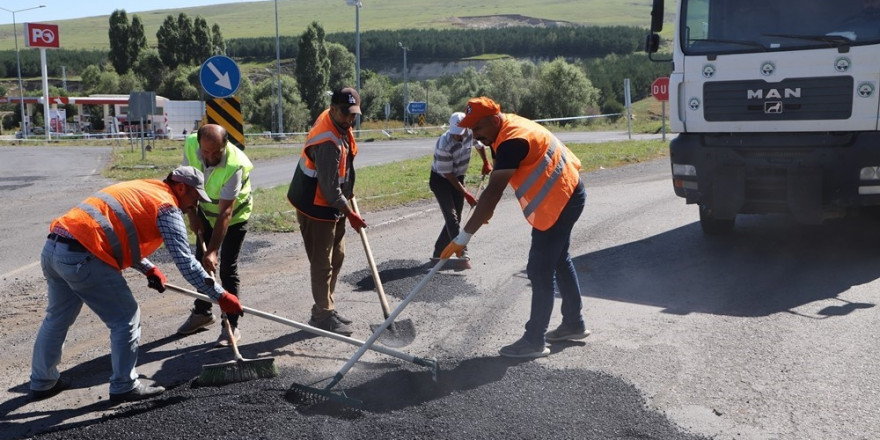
pixel 66 9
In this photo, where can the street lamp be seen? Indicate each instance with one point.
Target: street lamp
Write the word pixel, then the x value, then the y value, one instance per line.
pixel 405 92
pixel 18 60
pixel 358 4
pixel 278 68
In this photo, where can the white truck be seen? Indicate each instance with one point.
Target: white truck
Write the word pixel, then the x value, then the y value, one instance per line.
pixel 776 105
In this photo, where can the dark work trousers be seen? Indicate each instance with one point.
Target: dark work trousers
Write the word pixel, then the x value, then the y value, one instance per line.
pixel 229 250
pixel 451 202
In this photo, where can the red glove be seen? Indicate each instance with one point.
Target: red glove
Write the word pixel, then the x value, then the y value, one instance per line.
pixel 156 279
pixel 470 199
pixel 486 168
pixel 356 221
pixel 229 304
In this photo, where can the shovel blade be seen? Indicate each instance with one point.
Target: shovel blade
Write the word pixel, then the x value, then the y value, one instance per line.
pixel 398 334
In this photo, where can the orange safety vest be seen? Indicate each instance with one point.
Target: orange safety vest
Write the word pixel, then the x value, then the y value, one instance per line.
pixel 304 193
pixel 548 175
pixel 118 223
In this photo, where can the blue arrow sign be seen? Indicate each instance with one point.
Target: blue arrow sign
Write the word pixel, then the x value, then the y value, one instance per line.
pixel 417 107
pixel 220 76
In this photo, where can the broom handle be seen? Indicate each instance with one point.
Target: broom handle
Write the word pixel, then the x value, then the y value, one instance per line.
pixel 307 328
pixel 381 290
pixel 226 324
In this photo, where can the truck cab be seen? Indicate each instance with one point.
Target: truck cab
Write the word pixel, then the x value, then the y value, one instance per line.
pixel 776 106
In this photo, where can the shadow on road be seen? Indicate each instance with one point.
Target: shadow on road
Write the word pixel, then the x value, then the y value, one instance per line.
pixel 768 265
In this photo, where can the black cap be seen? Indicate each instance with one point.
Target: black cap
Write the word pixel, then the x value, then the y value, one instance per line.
pixel 347 99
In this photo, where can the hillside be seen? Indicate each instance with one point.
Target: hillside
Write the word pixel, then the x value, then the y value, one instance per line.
pixel 257 19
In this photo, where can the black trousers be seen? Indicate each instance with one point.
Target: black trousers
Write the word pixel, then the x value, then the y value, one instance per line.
pixel 451 203
pixel 229 251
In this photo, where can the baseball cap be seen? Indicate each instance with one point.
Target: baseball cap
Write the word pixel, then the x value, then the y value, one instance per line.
pixel 454 120
pixel 478 108
pixel 193 178
pixel 348 99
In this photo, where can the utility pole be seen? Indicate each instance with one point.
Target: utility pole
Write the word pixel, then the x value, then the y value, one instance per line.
pixel 278 70
pixel 405 91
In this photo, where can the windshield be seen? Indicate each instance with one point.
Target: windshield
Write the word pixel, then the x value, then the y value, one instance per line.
pixel 733 26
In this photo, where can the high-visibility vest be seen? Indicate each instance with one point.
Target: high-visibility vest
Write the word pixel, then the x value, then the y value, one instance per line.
pixel 235 160
pixel 304 193
pixel 118 223
pixel 548 175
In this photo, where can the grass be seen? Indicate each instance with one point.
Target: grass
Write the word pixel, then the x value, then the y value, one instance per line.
pixel 378 187
pixel 252 19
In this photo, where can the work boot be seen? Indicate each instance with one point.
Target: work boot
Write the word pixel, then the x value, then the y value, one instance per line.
pixel 195 322
pixel 333 324
pixel 567 332
pixel 139 392
pixel 524 349
pixel 223 340
pixel 61 384
pixel 342 319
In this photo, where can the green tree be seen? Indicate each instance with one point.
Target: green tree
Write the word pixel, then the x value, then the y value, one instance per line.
pixel 218 44
pixel 342 66
pixel 180 84
pixel 137 39
pixel 508 83
pixel 565 91
pixel 119 34
pixel 186 42
pixel 168 40
pixel 150 69
pixel 313 69
pixel 202 37
pixel 375 92
pixel 295 115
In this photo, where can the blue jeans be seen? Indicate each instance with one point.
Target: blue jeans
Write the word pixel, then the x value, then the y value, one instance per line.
pixel 76 277
pixel 550 261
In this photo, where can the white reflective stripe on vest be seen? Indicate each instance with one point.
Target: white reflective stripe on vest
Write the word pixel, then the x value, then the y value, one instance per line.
pixel 110 233
pixel 545 189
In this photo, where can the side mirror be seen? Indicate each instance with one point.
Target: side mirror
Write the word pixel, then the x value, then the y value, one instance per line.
pixel 652 43
pixel 657 12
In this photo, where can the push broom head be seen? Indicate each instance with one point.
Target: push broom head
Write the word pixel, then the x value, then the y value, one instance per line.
pixel 238 371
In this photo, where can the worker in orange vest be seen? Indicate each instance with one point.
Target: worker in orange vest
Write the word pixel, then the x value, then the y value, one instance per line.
pixel 83 258
pixel 545 177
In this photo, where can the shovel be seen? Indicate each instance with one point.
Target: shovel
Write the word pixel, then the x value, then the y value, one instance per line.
pixel 399 333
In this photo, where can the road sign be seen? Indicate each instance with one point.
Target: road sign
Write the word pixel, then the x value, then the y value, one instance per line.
pixel 220 76
pixel 42 35
pixel 660 88
pixel 417 107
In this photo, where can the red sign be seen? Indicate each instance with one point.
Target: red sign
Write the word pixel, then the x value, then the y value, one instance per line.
pixel 660 88
pixel 41 35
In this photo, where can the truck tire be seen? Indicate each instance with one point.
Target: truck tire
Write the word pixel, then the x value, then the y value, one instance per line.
pixel 714 226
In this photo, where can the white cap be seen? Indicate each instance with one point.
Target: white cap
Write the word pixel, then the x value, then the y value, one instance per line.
pixel 453 123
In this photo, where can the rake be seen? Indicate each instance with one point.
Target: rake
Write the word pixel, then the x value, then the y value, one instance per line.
pixel 311 394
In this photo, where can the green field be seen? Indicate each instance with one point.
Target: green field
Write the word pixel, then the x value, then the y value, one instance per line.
pixel 257 19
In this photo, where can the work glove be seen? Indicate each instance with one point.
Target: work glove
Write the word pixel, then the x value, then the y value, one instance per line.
pixel 156 279
pixel 229 304
pixel 470 199
pixel 356 221
pixel 487 168
pixel 456 246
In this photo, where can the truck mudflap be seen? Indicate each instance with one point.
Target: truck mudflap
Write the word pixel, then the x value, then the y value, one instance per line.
pixel 810 176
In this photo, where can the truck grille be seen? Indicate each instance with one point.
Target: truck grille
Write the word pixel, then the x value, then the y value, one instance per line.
pixel 789 100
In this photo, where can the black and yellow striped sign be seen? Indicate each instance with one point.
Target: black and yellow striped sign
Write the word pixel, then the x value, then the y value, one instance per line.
pixel 226 112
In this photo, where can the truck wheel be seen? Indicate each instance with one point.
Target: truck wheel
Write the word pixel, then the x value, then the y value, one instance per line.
pixel 712 225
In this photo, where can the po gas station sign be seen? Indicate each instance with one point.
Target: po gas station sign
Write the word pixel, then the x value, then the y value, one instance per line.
pixel 41 35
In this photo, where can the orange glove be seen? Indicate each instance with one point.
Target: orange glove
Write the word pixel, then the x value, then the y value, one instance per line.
pixel 356 221
pixel 156 279
pixel 470 199
pixel 456 246
pixel 229 304
pixel 486 168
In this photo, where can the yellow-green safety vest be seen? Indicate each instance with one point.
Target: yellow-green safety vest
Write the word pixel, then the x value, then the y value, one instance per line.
pixel 235 160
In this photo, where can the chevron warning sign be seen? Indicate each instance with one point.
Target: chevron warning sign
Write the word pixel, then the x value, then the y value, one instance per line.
pixel 227 113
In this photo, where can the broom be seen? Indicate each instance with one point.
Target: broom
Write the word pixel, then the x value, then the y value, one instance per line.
pixel 238 370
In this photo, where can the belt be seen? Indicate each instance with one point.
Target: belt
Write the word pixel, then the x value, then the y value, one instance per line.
pixel 71 243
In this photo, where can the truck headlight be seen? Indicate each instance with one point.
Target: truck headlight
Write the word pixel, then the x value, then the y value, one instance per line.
pixel 869 173
pixel 684 170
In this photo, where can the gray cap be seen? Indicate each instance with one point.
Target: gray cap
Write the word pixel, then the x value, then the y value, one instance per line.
pixel 193 178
